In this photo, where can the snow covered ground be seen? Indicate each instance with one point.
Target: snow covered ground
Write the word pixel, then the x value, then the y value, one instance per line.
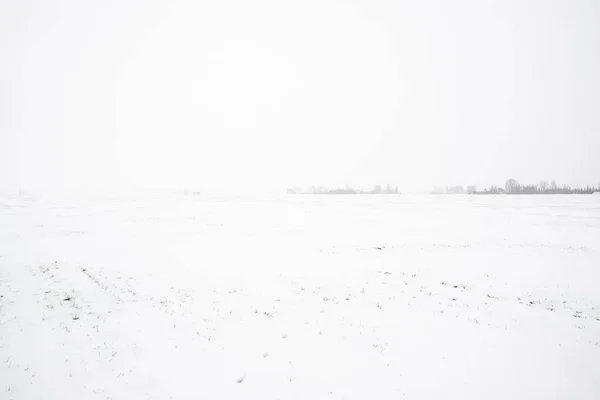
pixel 300 297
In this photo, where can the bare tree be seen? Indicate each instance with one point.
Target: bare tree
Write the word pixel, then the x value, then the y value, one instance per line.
pixel 511 186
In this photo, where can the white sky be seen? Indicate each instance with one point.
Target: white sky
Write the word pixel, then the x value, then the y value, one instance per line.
pixel 270 94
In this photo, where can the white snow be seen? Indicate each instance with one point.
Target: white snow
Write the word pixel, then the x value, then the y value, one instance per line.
pixel 300 297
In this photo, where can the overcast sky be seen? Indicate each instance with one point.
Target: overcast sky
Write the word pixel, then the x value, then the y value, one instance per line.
pixel 270 94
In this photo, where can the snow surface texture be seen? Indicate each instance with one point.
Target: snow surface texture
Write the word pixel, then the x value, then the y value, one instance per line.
pixel 301 297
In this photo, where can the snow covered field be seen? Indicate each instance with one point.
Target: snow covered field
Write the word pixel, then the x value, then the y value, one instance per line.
pixel 300 297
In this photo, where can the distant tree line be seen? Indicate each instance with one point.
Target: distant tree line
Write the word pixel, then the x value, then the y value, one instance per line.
pixel 378 189
pixel 513 187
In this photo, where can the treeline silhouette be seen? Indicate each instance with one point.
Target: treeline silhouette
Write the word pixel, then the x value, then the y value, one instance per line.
pixel 513 187
pixel 378 189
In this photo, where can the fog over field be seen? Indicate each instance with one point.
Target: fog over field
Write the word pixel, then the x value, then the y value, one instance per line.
pixel 317 199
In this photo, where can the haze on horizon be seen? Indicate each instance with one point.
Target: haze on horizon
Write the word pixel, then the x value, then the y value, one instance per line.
pixel 268 94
